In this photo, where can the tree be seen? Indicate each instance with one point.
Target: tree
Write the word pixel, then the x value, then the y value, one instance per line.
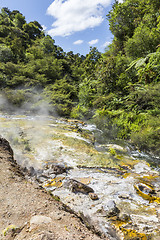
pixel 33 29
pixel 144 40
pixel 48 45
pixel 90 61
pixel 5 11
pixel 61 95
pixel 19 20
pixel 123 19
pixel 6 54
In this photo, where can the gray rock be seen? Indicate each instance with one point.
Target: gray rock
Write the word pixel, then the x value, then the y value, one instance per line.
pixel 110 209
pixel 31 171
pixel 48 172
pixel 54 169
pixel 40 219
pixel 124 196
pixel 52 175
pixel 42 178
pixel 124 217
pixel 58 169
pixel 43 236
pixel 76 186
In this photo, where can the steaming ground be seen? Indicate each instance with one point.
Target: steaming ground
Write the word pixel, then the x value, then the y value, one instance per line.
pixel 112 172
pixel 16 116
pixel 26 102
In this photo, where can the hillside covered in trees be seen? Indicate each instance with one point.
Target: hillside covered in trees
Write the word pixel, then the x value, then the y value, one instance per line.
pixel 119 90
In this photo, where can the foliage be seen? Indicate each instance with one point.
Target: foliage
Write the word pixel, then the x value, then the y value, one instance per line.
pixel 60 95
pixel 144 41
pixel 118 89
pixel 6 54
pixel 16 97
pixel 148 68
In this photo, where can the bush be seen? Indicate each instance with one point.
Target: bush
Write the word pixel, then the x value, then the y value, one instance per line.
pixel 6 54
pixel 61 95
pixel 15 97
pixel 148 138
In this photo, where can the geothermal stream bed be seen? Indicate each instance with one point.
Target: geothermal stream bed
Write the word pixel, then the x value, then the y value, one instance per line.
pixel 108 184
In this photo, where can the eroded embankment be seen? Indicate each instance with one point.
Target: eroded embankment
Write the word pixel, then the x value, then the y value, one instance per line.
pixel 28 212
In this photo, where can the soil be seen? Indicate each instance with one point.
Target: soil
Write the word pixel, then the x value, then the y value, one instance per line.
pixel 34 212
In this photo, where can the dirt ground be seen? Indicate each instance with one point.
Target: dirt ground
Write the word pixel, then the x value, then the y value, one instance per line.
pixel 28 212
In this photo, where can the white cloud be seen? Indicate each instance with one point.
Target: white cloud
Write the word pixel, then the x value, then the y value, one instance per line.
pixel 78 42
pixel 76 15
pixel 106 44
pixel 92 42
pixel 44 27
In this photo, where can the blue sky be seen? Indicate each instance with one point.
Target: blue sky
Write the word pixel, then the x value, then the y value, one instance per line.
pixel 75 25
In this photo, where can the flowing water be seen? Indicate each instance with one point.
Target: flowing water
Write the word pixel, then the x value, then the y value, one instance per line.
pixel 125 181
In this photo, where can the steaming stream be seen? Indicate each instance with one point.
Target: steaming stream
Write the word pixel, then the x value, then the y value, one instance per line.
pixel 126 187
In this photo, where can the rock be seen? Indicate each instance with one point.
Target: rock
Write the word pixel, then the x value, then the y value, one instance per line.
pixel 110 209
pixel 76 186
pixel 39 172
pixel 124 196
pixel 55 169
pixel 93 196
pixel 7 147
pixel 31 171
pixel 48 172
pixel 116 147
pixel 52 176
pixel 42 179
pixel 141 167
pixel 40 219
pixel 42 236
pixel 58 169
pixel 124 217
pixel 158 194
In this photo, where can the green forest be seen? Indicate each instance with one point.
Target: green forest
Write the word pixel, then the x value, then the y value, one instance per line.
pixel 119 90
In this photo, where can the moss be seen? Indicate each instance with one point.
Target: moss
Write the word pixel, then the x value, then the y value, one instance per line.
pixel 130 234
pixel 10 227
pixel 55 182
pixel 137 209
pixel 56 198
pixel 112 151
pixel 65 227
pixel 119 223
pixel 119 157
pixel 150 177
pixel 149 180
pixel 147 197
pixel 126 175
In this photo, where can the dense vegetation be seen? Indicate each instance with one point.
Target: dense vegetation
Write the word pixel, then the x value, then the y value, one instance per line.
pixel 119 89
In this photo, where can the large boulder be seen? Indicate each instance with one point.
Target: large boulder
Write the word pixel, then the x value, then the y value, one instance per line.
pixel 76 186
